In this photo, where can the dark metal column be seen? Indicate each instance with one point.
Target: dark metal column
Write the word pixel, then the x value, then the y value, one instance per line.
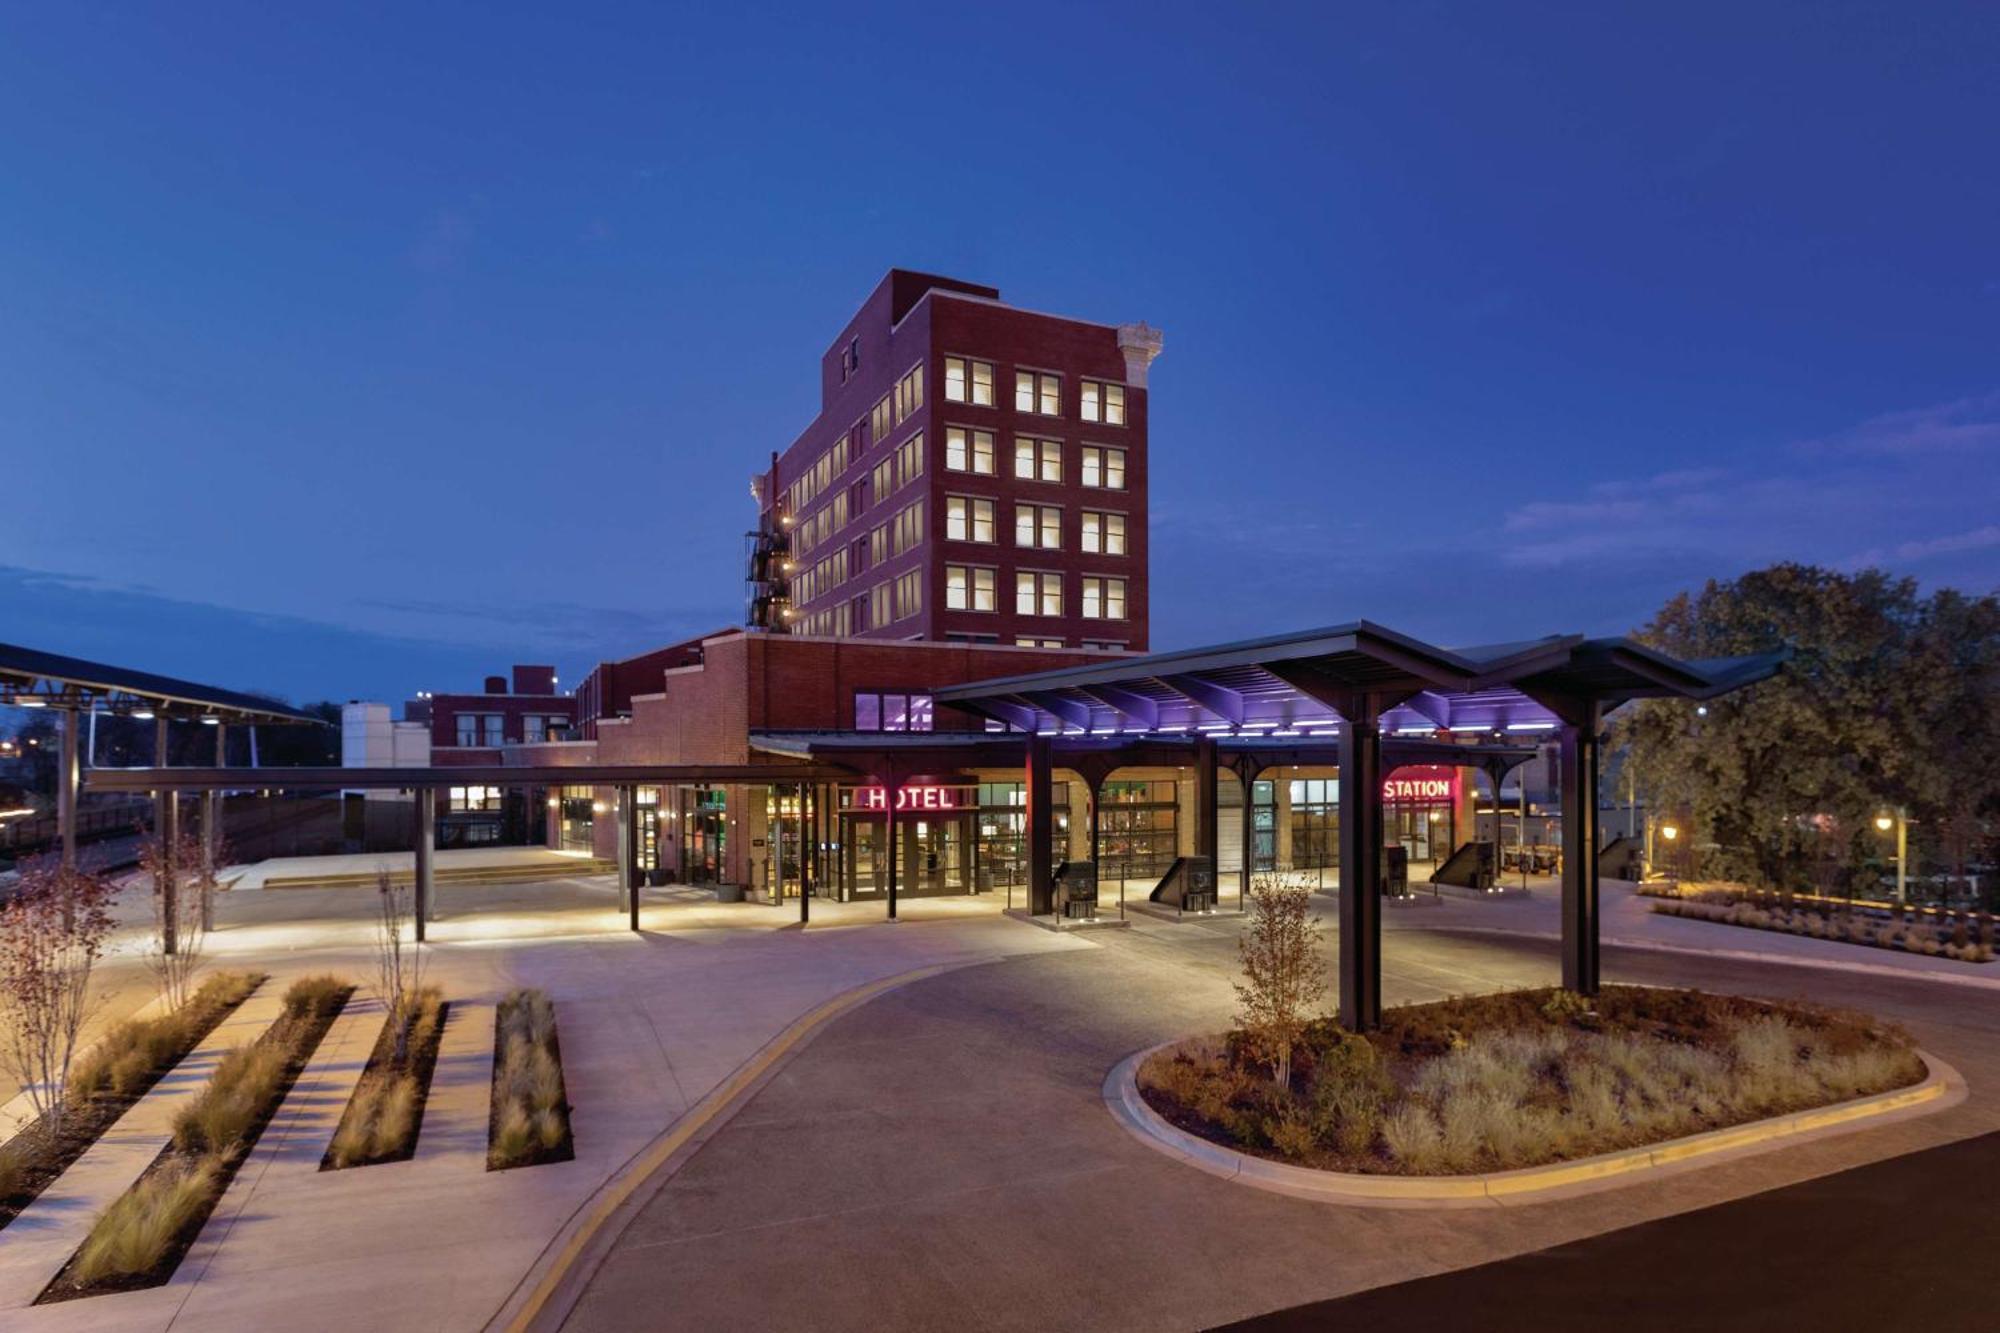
pixel 891 791
pixel 1361 871
pixel 1204 801
pixel 425 844
pixel 69 780
pixel 628 851
pixel 1040 825
pixel 1577 772
pixel 1247 774
pixel 167 826
pixel 211 832
pixel 808 879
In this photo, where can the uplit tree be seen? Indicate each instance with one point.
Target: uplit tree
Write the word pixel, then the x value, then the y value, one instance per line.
pixel 1888 701
pixel 1284 976
pixel 52 932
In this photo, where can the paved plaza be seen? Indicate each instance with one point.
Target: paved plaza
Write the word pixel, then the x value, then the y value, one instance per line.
pixel 751 1154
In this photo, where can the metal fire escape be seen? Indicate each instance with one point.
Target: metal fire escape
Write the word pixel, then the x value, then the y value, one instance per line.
pixel 768 563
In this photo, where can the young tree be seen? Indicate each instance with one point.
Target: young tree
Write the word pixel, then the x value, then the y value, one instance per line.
pixel 52 932
pixel 180 882
pixel 399 964
pixel 1284 976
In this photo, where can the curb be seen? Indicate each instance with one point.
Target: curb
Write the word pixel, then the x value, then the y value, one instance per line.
pixel 1752 956
pixel 1941 1088
pixel 546 1294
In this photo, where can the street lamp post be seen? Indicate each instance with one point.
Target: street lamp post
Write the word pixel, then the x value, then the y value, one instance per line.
pixel 1901 823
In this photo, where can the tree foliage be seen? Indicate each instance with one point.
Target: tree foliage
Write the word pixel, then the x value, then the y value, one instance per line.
pixel 1284 977
pixel 1891 699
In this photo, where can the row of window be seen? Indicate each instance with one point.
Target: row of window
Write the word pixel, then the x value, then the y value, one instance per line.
pixel 490 728
pixel 1035 459
pixel 969 518
pixel 1036 592
pixel 1035 391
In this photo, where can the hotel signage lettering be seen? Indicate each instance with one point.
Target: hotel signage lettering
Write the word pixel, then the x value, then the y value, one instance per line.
pixel 916 796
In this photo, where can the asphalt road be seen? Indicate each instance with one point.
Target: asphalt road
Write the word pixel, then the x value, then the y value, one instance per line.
pixel 1901 1244
pixel 942 1157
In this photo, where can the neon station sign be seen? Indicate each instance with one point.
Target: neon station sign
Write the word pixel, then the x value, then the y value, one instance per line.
pixel 1426 784
pixel 916 796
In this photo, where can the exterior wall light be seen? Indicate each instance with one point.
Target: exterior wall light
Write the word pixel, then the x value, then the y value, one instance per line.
pixel 1885 822
pixel 1669 832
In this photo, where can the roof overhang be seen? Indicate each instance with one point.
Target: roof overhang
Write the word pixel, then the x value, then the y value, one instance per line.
pixel 50 680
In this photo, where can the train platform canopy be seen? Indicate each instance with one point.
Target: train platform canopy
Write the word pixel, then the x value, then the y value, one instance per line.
pixel 1311 682
pixel 30 678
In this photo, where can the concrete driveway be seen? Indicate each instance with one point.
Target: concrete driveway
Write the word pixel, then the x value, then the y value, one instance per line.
pixel 941 1157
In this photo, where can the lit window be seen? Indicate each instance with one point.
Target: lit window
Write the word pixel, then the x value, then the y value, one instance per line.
pixel 884 479
pixel 1104 468
pixel 880 423
pixel 968 519
pixel 1038 393
pixel 892 710
pixel 968 381
pixel 1038 594
pixel 1038 525
pixel 1104 402
pixel 909 593
pixel 1026 641
pixel 909 394
pixel 1037 460
pixel 910 459
pixel 1103 534
pixel 880 611
pixel 969 588
pixel 1103 599
pixel 968 450
pixel 909 527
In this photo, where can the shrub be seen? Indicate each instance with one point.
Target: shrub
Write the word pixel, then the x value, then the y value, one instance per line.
pixel 133 1235
pixel 219 1117
pixel 314 997
pixel 529 1108
pixel 13 1171
pixel 1413 1138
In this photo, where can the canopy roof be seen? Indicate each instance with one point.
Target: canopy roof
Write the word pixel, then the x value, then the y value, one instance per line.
pixel 27 675
pixel 1304 683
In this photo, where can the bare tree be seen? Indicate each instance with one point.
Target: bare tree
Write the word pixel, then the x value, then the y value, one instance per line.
pixel 1284 976
pixel 399 963
pixel 52 932
pixel 180 927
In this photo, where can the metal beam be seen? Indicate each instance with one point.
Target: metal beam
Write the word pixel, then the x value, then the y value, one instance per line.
pixel 1137 707
pixel 1225 703
pixel 404 779
pixel 1074 712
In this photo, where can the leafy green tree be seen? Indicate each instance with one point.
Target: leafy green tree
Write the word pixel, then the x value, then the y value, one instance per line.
pixel 1889 700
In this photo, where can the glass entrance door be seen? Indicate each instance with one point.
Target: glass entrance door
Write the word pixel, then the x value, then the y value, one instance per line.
pixel 933 855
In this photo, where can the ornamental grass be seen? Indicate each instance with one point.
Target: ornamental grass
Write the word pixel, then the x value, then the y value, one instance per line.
pixel 1526 1078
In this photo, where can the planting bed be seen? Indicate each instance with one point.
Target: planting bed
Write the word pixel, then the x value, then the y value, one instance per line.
pixel 1525 1078
pixel 1966 937
pixel 108 1081
pixel 141 1238
pixel 529 1121
pixel 386 1112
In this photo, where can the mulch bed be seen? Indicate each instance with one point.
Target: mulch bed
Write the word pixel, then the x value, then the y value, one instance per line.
pixel 46 1156
pixel 302 1036
pixel 422 1065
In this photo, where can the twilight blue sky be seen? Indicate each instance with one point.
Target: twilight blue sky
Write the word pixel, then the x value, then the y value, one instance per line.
pixel 351 356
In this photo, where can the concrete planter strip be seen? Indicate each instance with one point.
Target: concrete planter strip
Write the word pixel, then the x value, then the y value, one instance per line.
pixel 1941 1088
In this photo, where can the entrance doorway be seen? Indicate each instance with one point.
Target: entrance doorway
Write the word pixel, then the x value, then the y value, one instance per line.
pixel 704 835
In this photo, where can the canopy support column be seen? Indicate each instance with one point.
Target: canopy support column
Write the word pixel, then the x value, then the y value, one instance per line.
pixel 211 833
pixel 1205 822
pixel 425 843
pixel 627 801
pixel 1361 869
pixel 892 792
pixel 1246 772
pixel 69 779
pixel 808 795
pixel 1577 769
pixel 1040 825
pixel 167 825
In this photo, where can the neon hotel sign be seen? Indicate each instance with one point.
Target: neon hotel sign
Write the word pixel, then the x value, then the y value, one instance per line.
pixel 912 797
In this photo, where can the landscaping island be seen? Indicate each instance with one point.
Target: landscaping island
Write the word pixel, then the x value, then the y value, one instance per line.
pixel 1523 1078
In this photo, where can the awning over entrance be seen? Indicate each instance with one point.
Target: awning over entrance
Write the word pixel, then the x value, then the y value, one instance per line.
pixel 1356 682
